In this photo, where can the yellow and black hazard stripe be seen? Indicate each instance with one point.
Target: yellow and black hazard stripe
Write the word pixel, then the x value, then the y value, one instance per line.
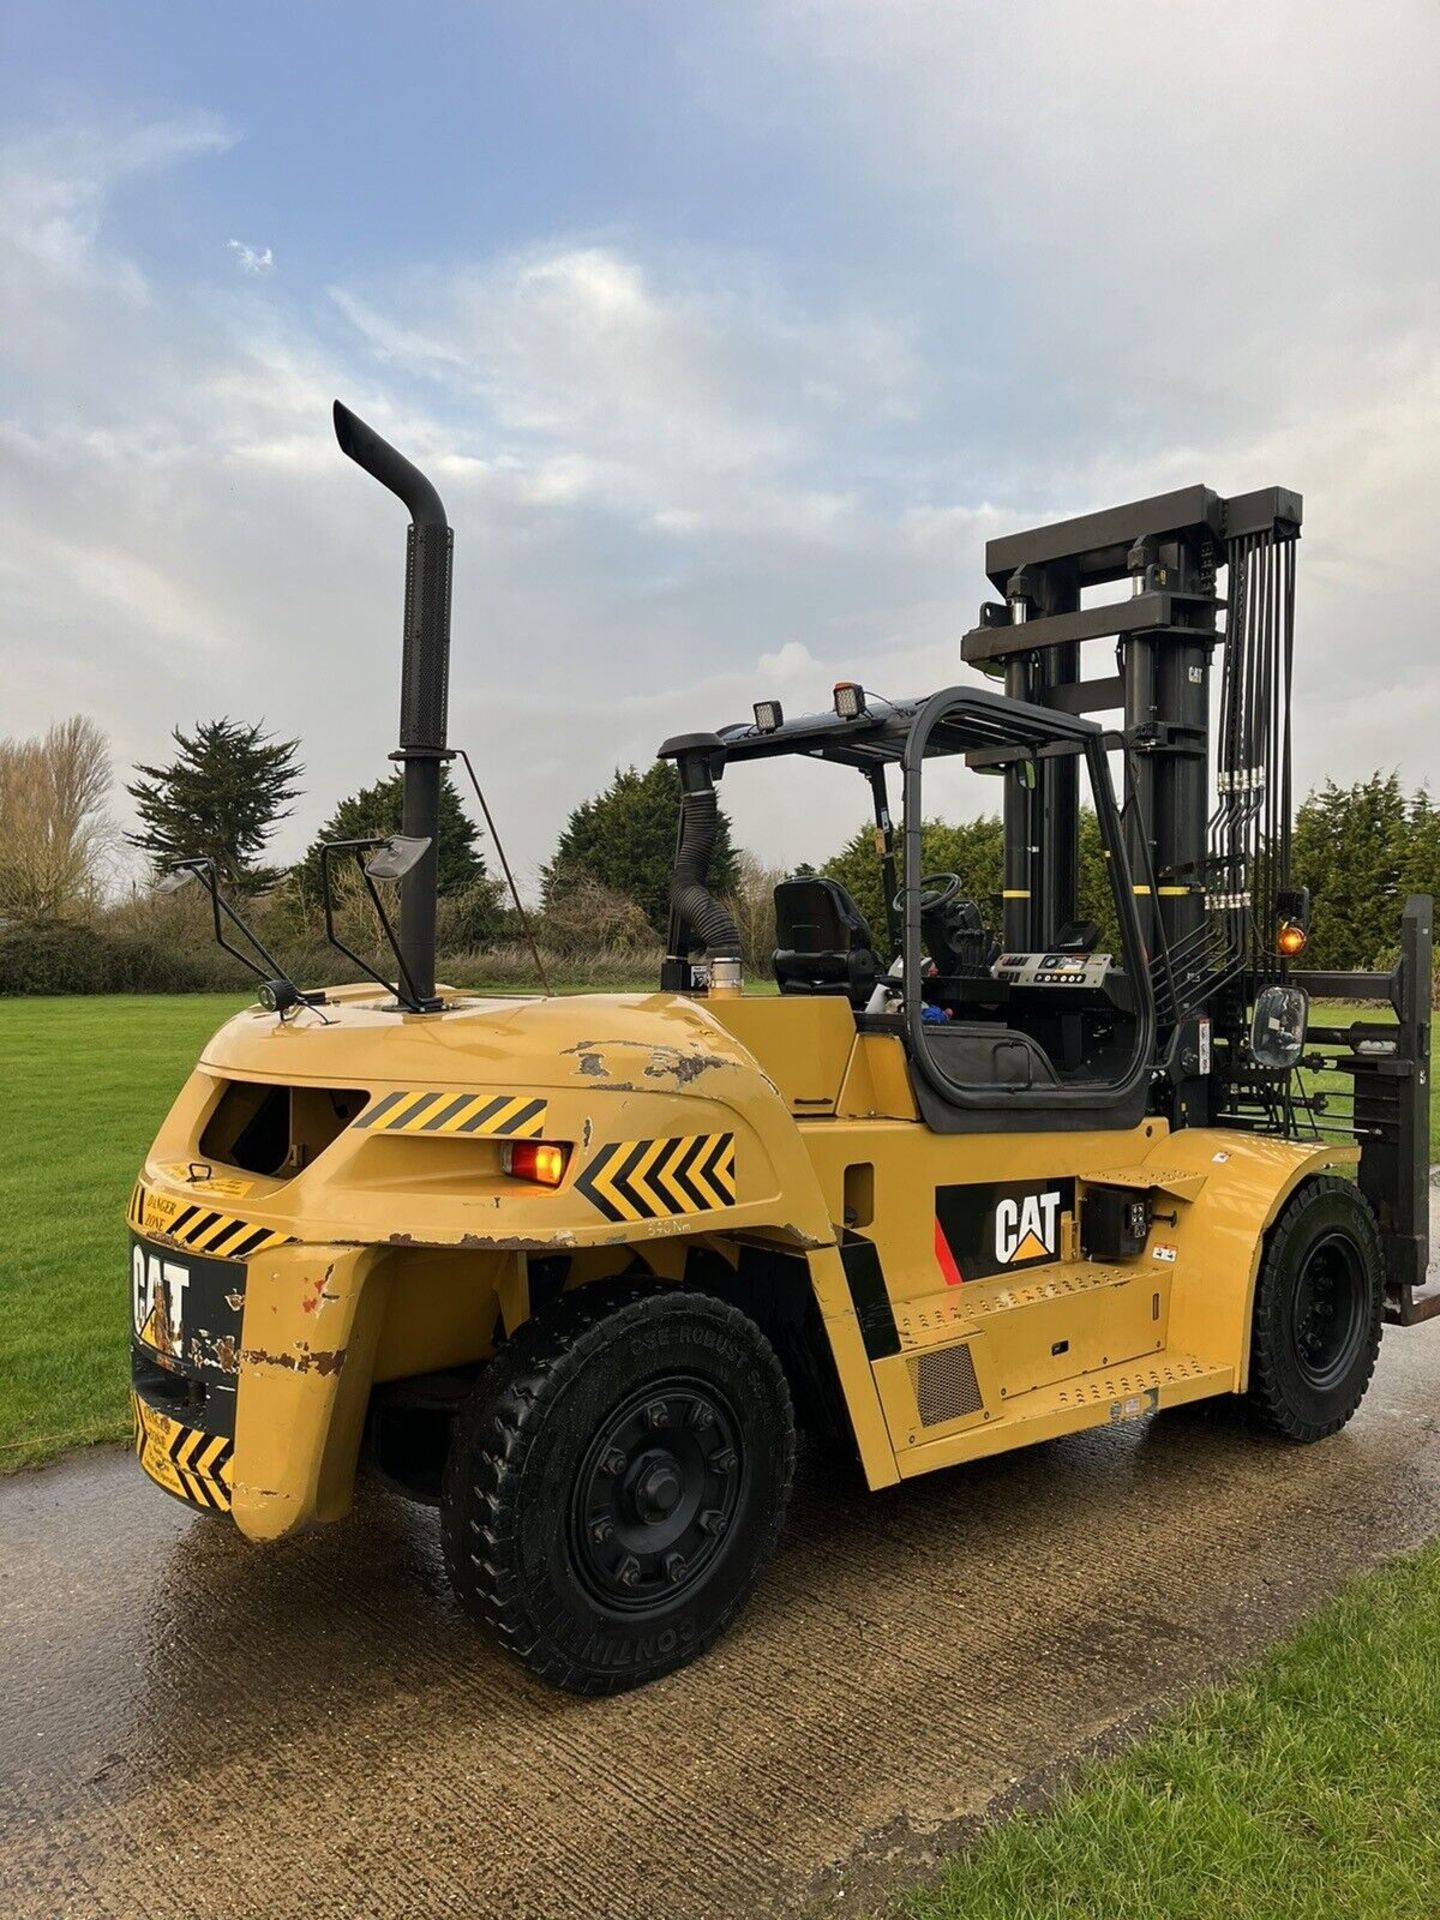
pixel 192 1465
pixel 514 1116
pixel 205 1229
pixel 650 1179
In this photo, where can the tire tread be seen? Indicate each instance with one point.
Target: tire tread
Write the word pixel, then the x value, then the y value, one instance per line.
pixel 495 1431
pixel 1266 1397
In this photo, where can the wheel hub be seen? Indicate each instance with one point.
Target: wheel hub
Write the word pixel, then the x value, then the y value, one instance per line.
pixel 1329 1310
pixel 657 1488
pixel 656 1491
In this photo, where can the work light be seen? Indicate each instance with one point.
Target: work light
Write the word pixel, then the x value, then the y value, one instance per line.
pixel 769 716
pixel 278 996
pixel 849 699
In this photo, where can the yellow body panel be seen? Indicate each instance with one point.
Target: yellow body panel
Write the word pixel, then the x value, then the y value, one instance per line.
pixel 401 1247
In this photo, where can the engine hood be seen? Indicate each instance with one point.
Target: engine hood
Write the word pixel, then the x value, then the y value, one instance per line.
pixel 650 1042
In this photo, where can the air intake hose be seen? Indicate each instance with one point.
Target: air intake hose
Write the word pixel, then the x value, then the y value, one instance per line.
pixel 705 922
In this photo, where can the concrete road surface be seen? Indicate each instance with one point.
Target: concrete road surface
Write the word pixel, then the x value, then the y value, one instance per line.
pixel 190 1726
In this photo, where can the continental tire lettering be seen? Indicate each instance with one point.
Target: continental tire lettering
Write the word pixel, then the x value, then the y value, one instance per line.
pixel 599 1652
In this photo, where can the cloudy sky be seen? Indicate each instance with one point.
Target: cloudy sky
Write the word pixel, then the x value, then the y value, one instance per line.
pixel 729 334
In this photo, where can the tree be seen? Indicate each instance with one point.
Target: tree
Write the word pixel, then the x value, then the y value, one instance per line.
pixel 53 828
pixel 971 848
pixel 221 797
pixel 752 906
pixel 1356 848
pixel 975 849
pixel 376 811
pixel 625 839
pixel 1420 863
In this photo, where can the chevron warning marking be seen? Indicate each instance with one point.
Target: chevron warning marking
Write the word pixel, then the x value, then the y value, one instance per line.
pixel 194 1466
pixel 513 1116
pixel 224 1236
pixel 650 1179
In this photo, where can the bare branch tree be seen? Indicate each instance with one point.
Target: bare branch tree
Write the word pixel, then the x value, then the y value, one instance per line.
pixel 54 830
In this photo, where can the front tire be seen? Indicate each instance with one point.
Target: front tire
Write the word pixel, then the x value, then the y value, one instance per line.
pixel 1318 1304
pixel 616 1483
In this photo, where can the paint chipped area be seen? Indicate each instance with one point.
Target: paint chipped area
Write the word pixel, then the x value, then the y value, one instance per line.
pixel 671 1066
pixel 303 1359
pixel 318 1292
pixel 206 1350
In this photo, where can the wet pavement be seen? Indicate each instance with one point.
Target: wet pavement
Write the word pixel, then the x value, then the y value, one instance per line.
pixel 191 1726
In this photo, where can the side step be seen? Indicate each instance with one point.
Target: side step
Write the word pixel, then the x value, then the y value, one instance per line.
pixel 1012 1358
pixel 1109 1397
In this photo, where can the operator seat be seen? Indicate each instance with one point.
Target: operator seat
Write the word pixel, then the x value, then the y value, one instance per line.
pixel 824 943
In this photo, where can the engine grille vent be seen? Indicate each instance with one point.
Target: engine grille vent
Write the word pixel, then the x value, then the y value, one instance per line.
pixel 945 1385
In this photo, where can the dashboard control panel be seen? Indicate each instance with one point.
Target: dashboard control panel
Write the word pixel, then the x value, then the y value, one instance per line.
pixel 1053 969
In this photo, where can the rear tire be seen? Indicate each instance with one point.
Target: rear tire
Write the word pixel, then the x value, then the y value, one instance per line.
pixel 1318 1303
pixel 616 1483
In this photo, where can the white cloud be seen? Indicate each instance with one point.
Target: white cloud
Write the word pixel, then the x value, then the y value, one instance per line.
pixel 251 259
pixel 56 185
pixel 685 390
pixel 678 481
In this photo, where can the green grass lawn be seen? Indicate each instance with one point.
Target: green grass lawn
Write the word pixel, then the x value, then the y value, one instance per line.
pixel 1306 1790
pixel 87 1083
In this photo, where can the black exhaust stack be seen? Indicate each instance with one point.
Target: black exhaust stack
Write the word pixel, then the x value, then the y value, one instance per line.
pixel 424 682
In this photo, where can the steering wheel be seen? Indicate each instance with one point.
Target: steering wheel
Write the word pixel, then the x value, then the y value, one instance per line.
pixel 937 890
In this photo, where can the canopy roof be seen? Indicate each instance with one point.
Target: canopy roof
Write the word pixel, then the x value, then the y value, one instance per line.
pixel 971 719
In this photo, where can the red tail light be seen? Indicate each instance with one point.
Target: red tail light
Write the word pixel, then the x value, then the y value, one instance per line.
pixel 539 1160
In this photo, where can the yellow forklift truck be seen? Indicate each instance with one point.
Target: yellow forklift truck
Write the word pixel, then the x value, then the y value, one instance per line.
pixel 575 1269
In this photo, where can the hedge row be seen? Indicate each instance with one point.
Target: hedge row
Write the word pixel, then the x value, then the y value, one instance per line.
pixel 85 959
pixel 78 959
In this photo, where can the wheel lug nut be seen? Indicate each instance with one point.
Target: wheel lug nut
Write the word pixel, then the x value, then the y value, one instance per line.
pixel 713 1521
pixel 674 1568
pixel 723 1461
pixel 613 1463
pixel 628 1572
pixel 702 1418
pixel 657 1414
pixel 602 1531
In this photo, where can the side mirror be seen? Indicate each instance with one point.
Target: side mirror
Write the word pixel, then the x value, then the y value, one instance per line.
pixel 396 856
pixel 1277 1029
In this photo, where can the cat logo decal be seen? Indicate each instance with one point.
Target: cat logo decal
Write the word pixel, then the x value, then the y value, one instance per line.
pixel 1028 1228
pixel 1000 1226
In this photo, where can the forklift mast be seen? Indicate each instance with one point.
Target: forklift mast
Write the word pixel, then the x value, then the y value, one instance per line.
pixel 1170 549
pixel 1210 861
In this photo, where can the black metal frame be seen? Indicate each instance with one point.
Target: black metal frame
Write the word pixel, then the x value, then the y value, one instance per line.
pixel 993 732
pixel 1390 1103
pixel 988 729
pixel 410 999
pixel 208 874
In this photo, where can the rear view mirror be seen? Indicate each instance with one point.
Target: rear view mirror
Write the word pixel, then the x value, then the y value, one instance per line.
pixel 1277 1030
pixel 396 856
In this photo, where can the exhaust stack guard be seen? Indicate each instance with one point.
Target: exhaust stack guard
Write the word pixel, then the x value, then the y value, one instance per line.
pixel 424 684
